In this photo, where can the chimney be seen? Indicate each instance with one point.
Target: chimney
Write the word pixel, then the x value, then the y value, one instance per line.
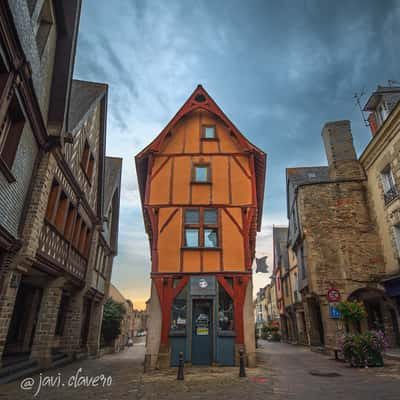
pixel 340 153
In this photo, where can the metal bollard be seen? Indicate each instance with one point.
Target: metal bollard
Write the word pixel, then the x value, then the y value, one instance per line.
pixel 242 372
pixel 180 376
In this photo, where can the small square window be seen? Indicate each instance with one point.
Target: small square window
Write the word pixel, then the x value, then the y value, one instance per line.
pixel 210 238
pixel 191 237
pixel 201 173
pixel 396 230
pixel 209 132
pixel 192 217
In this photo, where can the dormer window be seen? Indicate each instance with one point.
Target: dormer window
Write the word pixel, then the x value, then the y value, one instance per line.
pixel 382 111
pixel 11 127
pixel 87 162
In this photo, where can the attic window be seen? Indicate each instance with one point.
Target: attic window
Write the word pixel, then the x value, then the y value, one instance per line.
pixel 209 132
pixel 87 162
pixel 200 98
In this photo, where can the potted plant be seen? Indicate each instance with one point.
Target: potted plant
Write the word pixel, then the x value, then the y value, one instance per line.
pixel 360 349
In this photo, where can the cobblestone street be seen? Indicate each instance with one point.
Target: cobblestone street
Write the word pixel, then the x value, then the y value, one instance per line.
pixel 284 372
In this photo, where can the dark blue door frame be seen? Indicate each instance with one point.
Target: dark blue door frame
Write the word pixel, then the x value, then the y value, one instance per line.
pixel 202 331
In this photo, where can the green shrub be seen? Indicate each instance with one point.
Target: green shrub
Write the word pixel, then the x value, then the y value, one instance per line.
pixel 113 314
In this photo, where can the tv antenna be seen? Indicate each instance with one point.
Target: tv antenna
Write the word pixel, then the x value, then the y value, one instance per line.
pixel 357 97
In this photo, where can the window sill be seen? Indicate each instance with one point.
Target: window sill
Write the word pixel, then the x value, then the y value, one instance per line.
pixel 202 248
pixel 200 183
pixel 210 139
pixel 392 200
pixel 6 171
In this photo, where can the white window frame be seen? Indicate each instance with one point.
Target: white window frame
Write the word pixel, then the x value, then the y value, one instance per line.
pixel 387 179
pixel 396 233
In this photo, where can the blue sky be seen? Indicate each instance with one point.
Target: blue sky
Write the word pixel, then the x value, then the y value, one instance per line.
pixel 279 70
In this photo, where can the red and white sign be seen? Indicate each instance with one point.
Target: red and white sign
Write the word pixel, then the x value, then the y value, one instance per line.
pixel 333 295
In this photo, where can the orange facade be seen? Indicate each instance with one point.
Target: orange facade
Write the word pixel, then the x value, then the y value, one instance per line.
pixel 230 187
pixel 201 184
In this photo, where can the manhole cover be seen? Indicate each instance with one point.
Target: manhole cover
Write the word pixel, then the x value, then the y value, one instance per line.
pixel 328 374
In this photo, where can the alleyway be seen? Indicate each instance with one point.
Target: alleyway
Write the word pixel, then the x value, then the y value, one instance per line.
pixel 284 372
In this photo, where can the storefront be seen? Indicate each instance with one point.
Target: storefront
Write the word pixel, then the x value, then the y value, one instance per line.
pixel 202 323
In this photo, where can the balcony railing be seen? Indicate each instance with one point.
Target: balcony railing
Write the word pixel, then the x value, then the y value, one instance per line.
pixel 60 251
pixel 390 195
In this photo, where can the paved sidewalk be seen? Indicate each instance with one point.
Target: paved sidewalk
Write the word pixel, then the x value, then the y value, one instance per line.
pixel 284 372
pixel 299 373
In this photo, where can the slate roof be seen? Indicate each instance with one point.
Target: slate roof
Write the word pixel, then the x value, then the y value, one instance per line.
pixel 302 175
pixel 280 235
pixel 84 97
pixel 112 183
pixel 112 178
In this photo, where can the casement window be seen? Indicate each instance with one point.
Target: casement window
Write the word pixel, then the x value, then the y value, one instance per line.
pixel 201 173
pixel 70 222
pixel 396 232
pixel 87 161
pixel 201 228
pixel 388 183
pixel 11 127
pixel 61 213
pixel 208 132
pixel 52 202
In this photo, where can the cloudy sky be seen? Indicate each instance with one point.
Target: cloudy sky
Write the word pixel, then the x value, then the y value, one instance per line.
pixel 279 70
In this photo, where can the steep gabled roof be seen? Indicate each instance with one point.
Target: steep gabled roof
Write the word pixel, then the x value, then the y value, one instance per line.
pixel 280 237
pixel 84 98
pixel 112 188
pixel 200 99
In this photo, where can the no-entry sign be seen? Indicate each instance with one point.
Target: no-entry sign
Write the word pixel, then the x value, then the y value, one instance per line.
pixel 333 295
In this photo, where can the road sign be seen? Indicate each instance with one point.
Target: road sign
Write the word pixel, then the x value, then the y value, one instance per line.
pixel 333 295
pixel 334 313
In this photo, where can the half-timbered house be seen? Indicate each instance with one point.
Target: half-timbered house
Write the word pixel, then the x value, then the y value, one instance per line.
pixel 202 185
pixel 59 194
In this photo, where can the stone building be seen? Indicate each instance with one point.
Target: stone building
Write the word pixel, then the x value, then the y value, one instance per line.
pixel 127 324
pixel 381 162
pixel 57 244
pixel 333 233
pixel 261 310
pixel 202 185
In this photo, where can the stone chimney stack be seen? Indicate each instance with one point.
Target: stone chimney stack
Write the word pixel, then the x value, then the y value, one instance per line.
pixel 339 149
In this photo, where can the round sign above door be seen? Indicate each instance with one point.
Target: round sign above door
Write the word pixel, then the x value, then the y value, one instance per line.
pixel 203 283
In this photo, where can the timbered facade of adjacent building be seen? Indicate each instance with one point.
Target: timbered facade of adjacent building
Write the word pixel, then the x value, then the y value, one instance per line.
pixel 59 194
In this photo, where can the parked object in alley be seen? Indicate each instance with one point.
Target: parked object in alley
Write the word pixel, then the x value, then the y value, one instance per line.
pixel 181 364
